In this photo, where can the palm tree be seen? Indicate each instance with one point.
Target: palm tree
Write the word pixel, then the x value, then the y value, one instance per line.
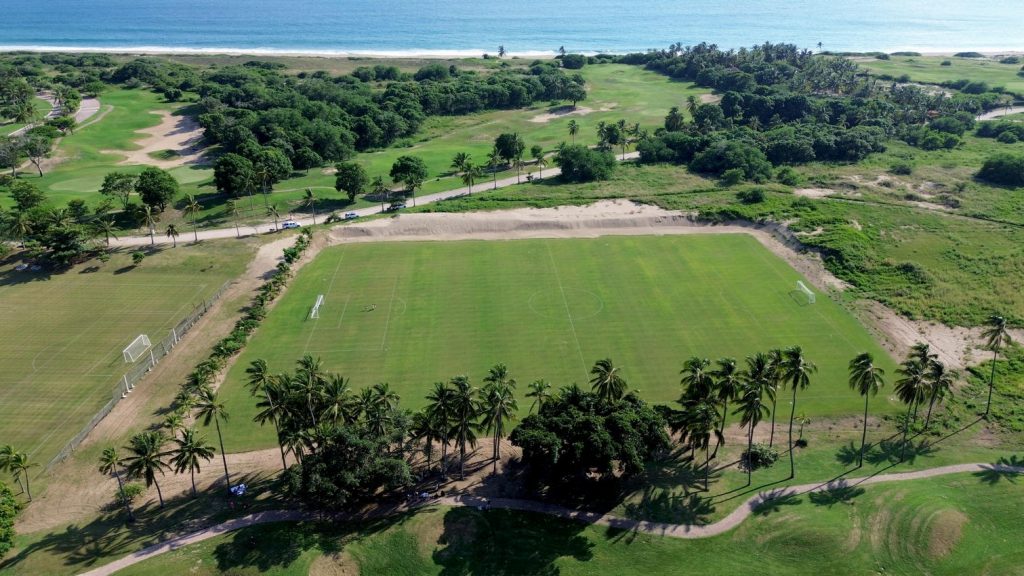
pixel 174 422
pixel 701 420
pixel 540 391
pixel 469 175
pixel 424 428
pixel 310 379
pixel 574 129
pixel 107 228
pixel 751 409
pixel 261 381
pixel 996 338
pixel 210 408
pixel 866 379
pixel 776 374
pixel 7 453
pixel 691 105
pixel 493 161
pixel 338 401
pixel 465 410
pixel 19 465
pixel 309 201
pixel 910 389
pixel 726 386
pixel 273 213
pixel 939 385
pixel 20 224
pixel 189 450
pixel 150 218
pixel 538 159
pixel 172 233
pixel 440 408
pixel 696 380
pixel 192 209
pixel 232 207
pixel 499 405
pixel 147 458
pixel 110 463
pixel 264 174
pixel 461 161
pixel 797 372
pixel 607 382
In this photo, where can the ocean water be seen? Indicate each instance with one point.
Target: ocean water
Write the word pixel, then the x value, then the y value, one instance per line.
pixel 471 27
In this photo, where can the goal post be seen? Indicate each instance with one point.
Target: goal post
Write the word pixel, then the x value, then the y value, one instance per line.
pixel 806 291
pixel 315 312
pixel 136 349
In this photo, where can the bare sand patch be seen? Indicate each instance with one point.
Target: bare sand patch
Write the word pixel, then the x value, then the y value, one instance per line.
pixel 814 192
pixel 710 98
pixel 178 136
pixel 561 112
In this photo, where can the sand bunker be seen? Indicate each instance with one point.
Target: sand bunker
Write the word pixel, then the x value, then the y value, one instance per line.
pixel 177 137
pixel 561 112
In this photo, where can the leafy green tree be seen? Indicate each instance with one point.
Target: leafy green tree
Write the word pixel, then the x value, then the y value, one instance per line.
pixel 26 195
pixel 410 171
pixel 798 371
pixel 156 188
pixel 581 164
pixel 351 178
pixel 146 459
pixel 866 379
pixel 1005 168
pixel 607 381
pixel 234 175
pixel 509 146
pixel 8 511
pixel 212 408
pixel 120 186
pixel 190 450
pixel 36 147
pixel 997 337
pixel 499 405
pixel 465 405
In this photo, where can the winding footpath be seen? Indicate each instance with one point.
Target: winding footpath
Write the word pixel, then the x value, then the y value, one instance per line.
pixel 685 531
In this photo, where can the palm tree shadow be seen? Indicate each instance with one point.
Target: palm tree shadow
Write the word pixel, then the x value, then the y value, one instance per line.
pixel 774 501
pixel 836 492
pixel 1003 469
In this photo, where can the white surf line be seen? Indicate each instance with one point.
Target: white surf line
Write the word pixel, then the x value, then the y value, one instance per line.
pixel 387 323
pixel 682 531
pixel 565 301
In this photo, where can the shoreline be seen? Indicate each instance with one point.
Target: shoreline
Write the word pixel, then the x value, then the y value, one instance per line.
pixel 397 54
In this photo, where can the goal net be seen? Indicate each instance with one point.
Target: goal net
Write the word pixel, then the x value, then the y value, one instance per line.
pixel 315 312
pixel 806 291
pixel 137 348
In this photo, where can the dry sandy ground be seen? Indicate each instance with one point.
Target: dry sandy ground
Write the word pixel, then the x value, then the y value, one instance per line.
pixel 180 134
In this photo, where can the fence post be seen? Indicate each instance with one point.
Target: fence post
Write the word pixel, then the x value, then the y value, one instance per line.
pixel 174 333
pixel 126 388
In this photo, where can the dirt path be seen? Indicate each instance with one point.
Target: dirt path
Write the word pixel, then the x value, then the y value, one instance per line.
pixel 686 531
pixel 993 114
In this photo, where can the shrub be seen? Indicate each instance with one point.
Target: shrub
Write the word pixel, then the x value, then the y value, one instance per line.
pixel 968 55
pixel 732 176
pixel 128 493
pixel 755 196
pixel 138 257
pixel 1006 169
pixel 759 456
pixel 1007 138
pixel 901 168
pixel 573 61
pixel 8 510
pixel 1010 60
pixel 946 63
pixel 789 176
pixel 911 54
pixel 581 164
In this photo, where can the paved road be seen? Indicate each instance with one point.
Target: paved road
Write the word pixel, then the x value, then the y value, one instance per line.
pixel 265 227
pixel 686 531
pixel 991 115
pixel 86 110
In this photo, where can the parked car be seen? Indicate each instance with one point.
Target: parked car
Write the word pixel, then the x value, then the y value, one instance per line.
pixel 396 207
pixel 289 224
pixel 351 215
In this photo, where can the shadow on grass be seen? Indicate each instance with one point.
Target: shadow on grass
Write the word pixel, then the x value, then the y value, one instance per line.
pixel 1007 469
pixel 837 492
pixel 506 542
pixel 775 500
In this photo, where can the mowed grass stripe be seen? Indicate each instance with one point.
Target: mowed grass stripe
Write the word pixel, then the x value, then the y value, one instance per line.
pixel 648 302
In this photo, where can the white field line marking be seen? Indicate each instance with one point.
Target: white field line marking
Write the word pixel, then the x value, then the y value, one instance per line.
pixel 327 293
pixel 342 317
pixel 572 323
pixel 387 323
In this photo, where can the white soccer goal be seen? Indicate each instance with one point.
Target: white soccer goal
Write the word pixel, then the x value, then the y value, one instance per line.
pixel 807 291
pixel 137 348
pixel 315 312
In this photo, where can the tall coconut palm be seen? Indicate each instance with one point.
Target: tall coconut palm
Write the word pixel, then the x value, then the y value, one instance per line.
pixel 997 337
pixel 697 380
pixel 493 161
pixel 701 424
pixel 150 218
pixel 338 403
pixel 776 375
pixel 727 380
pixel 866 379
pixel 469 175
pixel 465 410
pixel 146 458
pixel 692 104
pixel 190 450
pixel 7 453
pixel 210 408
pixel 607 381
pixel 273 213
pixel 232 208
pixel 499 405
pixel 110 463
pixel 910 389
pixel 192 210
pixel 441 409
pixel 173 422
pixel 261 381
pixel 309 201
pixel 424 428
pixel 540 161
pixel 460 161
pixel 106 228
pixel 751 409
pixel 574 129
pixel 310 379
pixel 19 465
pixel 797 370
pixel 540 391
pixel 172 233
pixel 939 384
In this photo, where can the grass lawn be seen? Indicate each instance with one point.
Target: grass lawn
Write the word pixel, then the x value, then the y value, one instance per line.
pixel 63 334
pixel 953 525
pixel 548 309
pixel 929 69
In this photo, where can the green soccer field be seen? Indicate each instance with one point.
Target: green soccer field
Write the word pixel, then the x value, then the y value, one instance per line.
pixel 412 314
pixel 63 335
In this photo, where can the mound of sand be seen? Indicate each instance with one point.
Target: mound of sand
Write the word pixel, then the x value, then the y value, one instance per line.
pixel 180 135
